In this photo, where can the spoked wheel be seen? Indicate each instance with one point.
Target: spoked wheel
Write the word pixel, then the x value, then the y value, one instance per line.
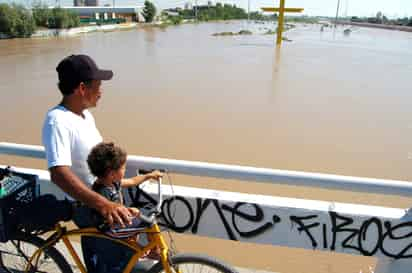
pixel 15 255
pixel 194 263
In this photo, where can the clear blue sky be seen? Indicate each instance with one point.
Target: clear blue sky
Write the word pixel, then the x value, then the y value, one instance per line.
pixel 390 8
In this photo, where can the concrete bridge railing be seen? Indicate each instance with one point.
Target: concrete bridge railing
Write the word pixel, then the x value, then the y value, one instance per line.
pixel 310 224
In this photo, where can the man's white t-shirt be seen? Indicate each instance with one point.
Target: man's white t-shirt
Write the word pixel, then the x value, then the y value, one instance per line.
pixel 68 139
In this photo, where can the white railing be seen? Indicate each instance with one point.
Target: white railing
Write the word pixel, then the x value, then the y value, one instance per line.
pixel 330 226
pixel 360 184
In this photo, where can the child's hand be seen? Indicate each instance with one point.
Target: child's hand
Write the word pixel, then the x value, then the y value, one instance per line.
pixel 154 175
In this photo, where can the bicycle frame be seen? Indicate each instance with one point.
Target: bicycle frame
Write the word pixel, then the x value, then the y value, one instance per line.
pixel 155 239
pixel 154 235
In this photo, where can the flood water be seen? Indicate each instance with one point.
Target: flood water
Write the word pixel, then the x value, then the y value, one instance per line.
pixel 324 103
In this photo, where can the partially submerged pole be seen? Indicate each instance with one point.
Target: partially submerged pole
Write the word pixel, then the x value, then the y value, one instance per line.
pixel 280 22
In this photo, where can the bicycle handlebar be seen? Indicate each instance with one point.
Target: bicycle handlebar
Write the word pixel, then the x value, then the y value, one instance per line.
pixel 147 219
pixel 151 218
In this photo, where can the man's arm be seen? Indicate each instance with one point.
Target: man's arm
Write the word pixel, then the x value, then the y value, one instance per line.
pixel 64 177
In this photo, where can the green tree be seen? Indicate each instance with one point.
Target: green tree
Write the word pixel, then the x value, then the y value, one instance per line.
pixel 16 21
pixel 218 12
pixel 149 11
pixel 41 14
pixel 8 18
pixel 61 18
pixel 26 25
pixel 379 17
pixel 176 20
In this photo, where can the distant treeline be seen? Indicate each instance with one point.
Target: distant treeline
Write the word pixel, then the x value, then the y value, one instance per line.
pixel 225 12
pixel 18 21
pixel 216 12
pixel 380 18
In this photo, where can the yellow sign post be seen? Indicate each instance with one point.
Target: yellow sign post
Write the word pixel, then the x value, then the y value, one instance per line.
pixel 281 11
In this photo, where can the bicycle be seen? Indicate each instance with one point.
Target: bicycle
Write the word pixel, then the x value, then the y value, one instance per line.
pixel 31 253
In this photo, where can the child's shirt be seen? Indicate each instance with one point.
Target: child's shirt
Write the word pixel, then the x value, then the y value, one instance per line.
pixel 112 193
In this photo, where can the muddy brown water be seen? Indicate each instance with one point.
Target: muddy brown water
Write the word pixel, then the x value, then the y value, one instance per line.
pixel 324 103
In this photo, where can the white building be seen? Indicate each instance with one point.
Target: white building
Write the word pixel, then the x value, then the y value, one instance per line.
pixel 129 13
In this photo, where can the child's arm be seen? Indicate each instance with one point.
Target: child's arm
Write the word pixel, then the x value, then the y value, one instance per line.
pixel 134 181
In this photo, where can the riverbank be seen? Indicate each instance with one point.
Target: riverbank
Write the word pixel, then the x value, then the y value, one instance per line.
pixel 44 33
pixel 382 26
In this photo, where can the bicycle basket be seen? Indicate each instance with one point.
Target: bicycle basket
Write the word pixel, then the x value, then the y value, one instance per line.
pixel 17 189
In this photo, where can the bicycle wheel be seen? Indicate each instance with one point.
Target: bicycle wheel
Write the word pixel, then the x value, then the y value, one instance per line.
pixel 194 263
pixel 15 254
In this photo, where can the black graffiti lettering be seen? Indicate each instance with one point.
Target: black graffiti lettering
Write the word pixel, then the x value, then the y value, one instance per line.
pixel 224 221
pixel 389 236
pixel 200 208
pixel 363 234
pixel 168 215
pixel 306 228
pixel 139 198
pixel 257 217
pixel 339 228
pixel 276 219
pixel 325 239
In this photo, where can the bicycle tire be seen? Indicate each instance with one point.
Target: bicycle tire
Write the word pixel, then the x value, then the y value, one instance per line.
pixel 191 261
pixel 14 256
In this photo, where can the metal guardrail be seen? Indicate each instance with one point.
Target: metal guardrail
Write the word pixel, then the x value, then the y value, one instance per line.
pixel 246 173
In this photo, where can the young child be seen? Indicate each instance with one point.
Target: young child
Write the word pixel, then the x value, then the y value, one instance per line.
pixel 108 163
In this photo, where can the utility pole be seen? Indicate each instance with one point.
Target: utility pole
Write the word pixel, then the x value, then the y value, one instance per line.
pixel 346 9
pixel 196 10
pixel 248 11
pixel 113 10
pixel 337 13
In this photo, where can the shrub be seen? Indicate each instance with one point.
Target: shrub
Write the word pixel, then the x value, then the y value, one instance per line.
pixel 41 14
pixel 149 11
pixel 60 18
pixel 16 21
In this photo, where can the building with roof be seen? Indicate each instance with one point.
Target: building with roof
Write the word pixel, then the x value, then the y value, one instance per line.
pixel 107 14
pixel 92 3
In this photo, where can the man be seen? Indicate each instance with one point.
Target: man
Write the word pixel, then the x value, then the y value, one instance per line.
pixel 69 133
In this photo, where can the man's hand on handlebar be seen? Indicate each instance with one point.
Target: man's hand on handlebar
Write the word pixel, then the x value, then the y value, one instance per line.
pixel 118 214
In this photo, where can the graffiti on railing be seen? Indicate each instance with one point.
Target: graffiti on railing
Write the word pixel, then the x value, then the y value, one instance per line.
pixel 247 220
pixel 355 236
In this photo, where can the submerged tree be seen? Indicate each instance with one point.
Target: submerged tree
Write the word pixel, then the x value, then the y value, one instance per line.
pixel 149 11
pixel 16 21
pixel 41 14
pixel 61 18
pixel 217 12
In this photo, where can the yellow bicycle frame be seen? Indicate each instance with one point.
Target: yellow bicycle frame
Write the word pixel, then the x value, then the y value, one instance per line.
pixel 154 235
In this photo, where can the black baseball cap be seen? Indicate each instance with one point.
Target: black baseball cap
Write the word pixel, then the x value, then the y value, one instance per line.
pixel 75 69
